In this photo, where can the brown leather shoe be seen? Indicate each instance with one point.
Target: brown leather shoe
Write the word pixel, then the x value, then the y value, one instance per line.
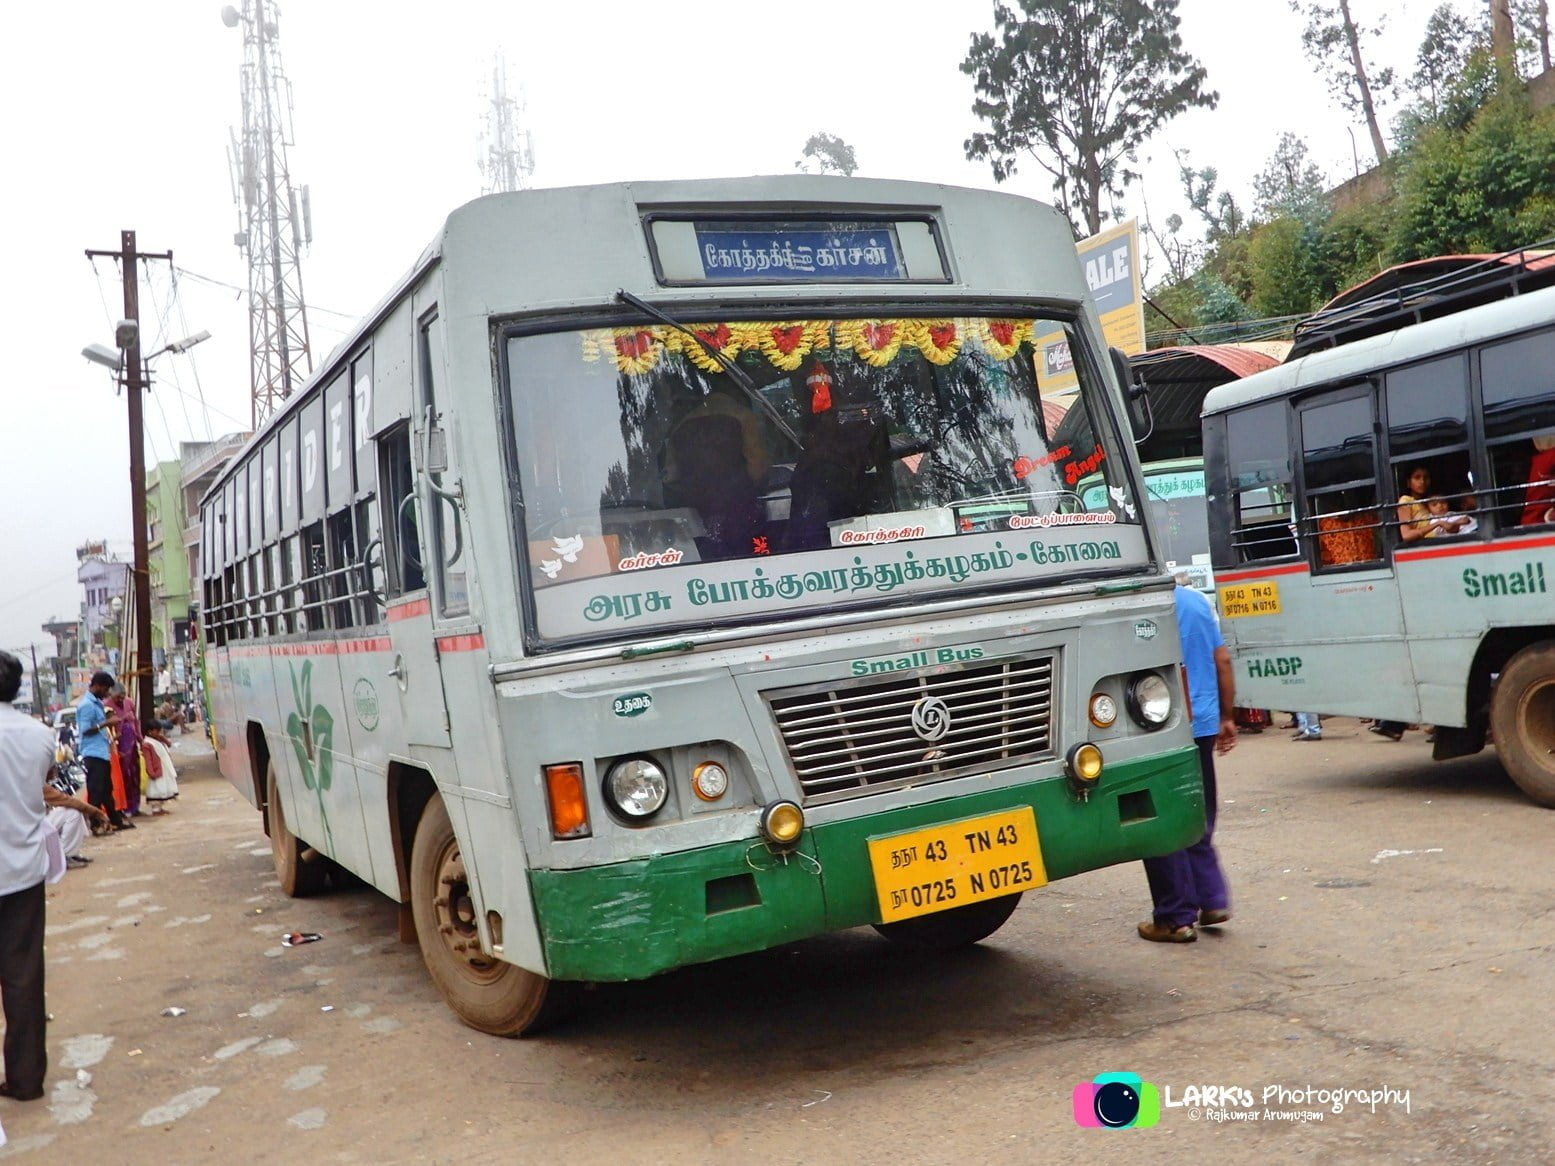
pixel 1161 933
pixel 1214 918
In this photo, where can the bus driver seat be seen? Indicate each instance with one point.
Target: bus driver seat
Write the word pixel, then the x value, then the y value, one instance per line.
pixel 714 478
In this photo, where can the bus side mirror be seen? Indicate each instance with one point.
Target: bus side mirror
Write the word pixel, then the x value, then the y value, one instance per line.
pixel 1136 395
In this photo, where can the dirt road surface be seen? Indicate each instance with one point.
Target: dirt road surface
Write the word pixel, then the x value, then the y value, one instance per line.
pixel 1393 929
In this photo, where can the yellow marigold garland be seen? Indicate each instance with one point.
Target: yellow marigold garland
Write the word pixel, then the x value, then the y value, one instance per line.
pixel 939 340
pixel 636 350
pixel 728 339
pixel 786 343
pixel 876 341
pixel 1001 339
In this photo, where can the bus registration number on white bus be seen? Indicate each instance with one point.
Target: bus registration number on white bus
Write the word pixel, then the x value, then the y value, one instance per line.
pixel 956 863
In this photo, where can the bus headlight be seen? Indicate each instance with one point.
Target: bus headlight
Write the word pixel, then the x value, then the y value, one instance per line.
pixel 709 781
pixel 1149 700
pixel 781 823
pixel 1103 711
pixel 636 787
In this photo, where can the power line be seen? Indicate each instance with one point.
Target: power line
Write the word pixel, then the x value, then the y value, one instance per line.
pixel 214 282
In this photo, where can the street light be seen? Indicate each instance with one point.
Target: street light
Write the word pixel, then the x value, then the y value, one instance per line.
pixel 134 373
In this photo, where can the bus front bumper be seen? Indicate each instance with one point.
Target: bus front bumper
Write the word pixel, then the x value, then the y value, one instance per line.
pixel 631 920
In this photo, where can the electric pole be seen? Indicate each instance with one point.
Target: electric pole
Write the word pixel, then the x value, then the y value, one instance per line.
pixel 37 684
pixel 275 221
pixel 132 372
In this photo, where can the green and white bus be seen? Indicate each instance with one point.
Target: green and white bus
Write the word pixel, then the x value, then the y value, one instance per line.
pixel 1342 587
pixel 623 593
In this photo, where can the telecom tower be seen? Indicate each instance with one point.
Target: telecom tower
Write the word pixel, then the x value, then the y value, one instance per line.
pixel 507 156
pixel 273 216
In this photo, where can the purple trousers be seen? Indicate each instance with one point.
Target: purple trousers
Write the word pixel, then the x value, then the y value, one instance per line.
pixel 1190 880
pixel 131 763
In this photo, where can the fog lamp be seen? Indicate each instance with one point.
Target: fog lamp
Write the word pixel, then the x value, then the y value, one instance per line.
pixel 1083 766
pixel 781 823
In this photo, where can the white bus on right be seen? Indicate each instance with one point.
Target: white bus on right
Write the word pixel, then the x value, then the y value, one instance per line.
pixel 1382 512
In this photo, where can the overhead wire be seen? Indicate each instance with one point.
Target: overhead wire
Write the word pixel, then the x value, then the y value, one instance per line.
pixel 172 300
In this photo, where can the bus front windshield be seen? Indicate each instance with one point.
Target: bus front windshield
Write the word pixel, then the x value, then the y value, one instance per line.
pixel 856 459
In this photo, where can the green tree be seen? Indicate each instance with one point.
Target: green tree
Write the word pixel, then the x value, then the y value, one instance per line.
pixel 1079 85
pixel 1284 271
pixel 1219 211
pixel 827 154
pixel 1533 21
pixel 1489 187
pixel 1291 185
pixel 1443 55
pixel 1335 44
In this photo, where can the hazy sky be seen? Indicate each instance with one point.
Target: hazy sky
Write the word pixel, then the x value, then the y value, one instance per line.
pixel 117 116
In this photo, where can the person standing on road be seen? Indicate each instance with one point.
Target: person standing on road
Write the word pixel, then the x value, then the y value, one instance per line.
pixel 128 740
pixel 93 723
pixel 27 860
pixel 1188 887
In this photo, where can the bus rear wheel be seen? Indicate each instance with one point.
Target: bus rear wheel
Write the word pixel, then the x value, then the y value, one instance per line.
pixel 486 993
pixel 1522 718
pixel 957 927
pixel 298 879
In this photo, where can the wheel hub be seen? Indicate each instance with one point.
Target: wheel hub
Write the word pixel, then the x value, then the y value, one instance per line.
pixel 456 917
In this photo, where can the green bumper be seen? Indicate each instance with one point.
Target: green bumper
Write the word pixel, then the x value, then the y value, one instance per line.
pixel 634 919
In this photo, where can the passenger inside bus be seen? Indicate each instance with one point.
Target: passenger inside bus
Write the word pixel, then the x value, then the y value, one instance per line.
pixel 1539 502
pixel 1414 519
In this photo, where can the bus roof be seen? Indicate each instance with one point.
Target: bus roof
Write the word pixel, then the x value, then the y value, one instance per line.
pixel 1361 358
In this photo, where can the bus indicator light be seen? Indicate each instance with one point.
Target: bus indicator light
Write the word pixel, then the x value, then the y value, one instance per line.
pixel 569 808
pixel 710 781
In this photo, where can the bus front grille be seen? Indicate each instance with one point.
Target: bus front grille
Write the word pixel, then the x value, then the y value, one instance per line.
pixel 859 736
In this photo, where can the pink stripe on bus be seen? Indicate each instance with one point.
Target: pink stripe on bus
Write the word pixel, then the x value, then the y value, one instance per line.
pixel 410 610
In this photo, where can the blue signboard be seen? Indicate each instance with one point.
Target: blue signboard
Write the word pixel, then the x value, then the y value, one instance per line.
pixel 798 251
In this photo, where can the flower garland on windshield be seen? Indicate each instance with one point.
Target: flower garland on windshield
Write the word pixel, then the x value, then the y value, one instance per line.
pixel 787 343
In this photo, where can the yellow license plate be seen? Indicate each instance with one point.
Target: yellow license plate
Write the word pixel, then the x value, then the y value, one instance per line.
pixel 956 863
pixel 1250 599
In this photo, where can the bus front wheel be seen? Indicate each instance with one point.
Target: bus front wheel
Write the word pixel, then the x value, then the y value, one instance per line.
pixel 957 927
pixel 298 879
pixel 484 992
pixel 1522 719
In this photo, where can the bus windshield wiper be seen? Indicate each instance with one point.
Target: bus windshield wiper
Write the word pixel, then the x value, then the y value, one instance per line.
pixel 736 374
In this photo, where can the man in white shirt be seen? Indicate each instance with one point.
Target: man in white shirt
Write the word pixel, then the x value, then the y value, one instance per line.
pixel 26 755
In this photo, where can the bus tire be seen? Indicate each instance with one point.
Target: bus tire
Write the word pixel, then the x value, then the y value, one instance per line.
pixel 298 879
pixel 486 993
pixel 957 927
pixel 1522 720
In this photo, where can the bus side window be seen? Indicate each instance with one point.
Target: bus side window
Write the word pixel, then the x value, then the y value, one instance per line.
pixel 1518 392
pixel 1428 427
pixel 397 516
pixel 1339 474
pixel 313 570
pixel 1258 448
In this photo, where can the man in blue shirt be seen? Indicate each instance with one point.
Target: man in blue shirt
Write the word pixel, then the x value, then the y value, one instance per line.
pixel 1188 887
pixel 93 721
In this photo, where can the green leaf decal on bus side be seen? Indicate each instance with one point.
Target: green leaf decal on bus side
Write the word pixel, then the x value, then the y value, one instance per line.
pixel 315 748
